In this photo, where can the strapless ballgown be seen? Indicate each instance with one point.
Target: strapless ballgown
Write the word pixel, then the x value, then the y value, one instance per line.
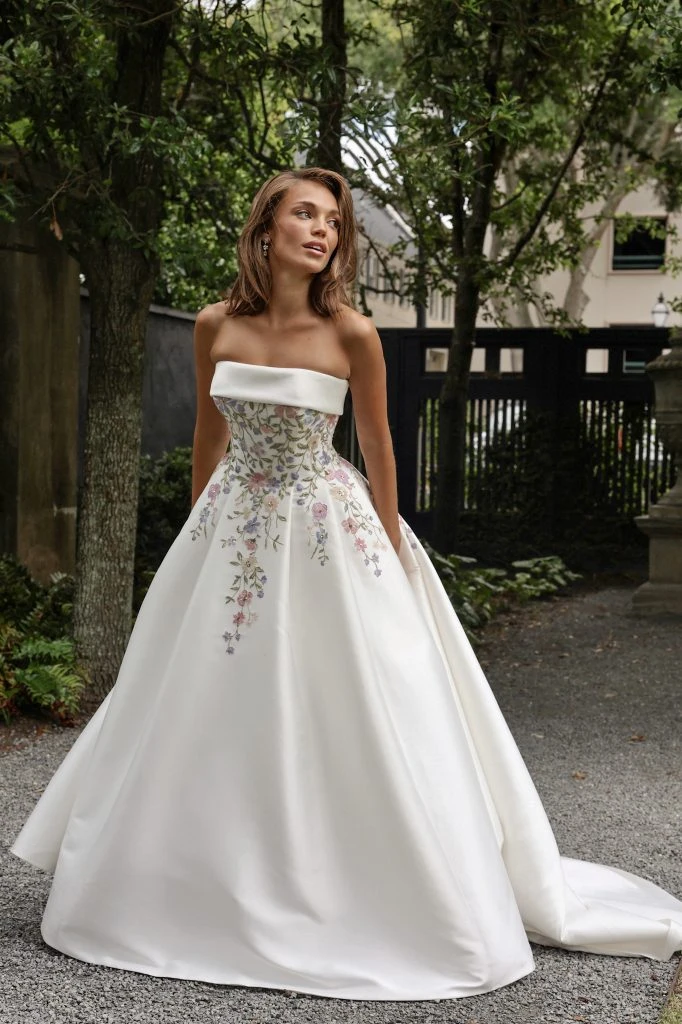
pixel 301 778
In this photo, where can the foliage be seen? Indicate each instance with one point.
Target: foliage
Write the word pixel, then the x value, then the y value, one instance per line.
pixel 39 669
pixel 202 222
pixel 19 592
pixel 197 247
pixel 69 113
pixel 165 496
pixel 504 126
pixel 203 217
pixel 478 593
pixel 549 92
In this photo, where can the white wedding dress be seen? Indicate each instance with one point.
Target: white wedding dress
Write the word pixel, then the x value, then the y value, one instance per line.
pixel 301 779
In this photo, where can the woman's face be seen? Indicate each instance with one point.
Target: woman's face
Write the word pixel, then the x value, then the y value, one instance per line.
pixel 305 230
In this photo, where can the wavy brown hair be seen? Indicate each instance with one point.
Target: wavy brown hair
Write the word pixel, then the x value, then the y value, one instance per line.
pixel 331 287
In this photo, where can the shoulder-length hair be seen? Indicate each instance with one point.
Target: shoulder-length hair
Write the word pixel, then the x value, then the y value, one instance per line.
pixel 331 287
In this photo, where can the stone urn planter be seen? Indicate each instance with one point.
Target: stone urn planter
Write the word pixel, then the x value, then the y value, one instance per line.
pixel 662 594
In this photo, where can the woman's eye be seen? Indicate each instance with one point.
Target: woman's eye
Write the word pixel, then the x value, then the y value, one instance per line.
pixel 336 224
pixel 306 212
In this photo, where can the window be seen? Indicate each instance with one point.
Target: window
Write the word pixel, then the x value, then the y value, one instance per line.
pixel 642 249
pixel 635 359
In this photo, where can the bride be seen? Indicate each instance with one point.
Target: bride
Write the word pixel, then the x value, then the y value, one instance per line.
pixel 301 778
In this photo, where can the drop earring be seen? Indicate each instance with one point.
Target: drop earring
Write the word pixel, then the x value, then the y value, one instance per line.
pixel 265 246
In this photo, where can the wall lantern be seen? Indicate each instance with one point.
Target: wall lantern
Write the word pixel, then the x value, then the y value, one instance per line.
pixel 660 312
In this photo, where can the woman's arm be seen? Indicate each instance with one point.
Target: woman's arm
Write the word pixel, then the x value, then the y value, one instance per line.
pixel 368 388
pixel 211 433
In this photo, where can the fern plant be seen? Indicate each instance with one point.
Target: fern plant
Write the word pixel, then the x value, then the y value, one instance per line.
pixel 39 668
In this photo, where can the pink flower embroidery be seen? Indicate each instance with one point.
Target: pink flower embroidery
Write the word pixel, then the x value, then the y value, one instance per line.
pixel 250 544
pixel 244 597
pixel 360 544
pixel 349 525
pixel 339 474
pixel 256 482
pixel 238 618
pixel 319 511
pixel 213 491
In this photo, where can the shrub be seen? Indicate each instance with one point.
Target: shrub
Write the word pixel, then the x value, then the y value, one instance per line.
pixel 164 504
pixel 38 663
pixel 554 484
pixel 18 592
pixel 478 592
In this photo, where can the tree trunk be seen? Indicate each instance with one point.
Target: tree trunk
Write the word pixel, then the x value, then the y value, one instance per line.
pixel 452 417
pixel 328 151
pixel 333 90
pixel 121 277
pixel 121 282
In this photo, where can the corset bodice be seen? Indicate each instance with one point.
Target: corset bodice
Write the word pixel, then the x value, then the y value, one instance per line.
pixel 281 419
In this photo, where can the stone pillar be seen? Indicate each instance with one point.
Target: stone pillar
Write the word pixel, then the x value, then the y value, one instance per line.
pixel 39 332
pixel 662 593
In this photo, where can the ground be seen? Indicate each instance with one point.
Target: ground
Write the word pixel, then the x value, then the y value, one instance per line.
pixel 593 699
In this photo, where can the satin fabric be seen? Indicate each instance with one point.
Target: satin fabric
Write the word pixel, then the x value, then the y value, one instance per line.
pixel 301 778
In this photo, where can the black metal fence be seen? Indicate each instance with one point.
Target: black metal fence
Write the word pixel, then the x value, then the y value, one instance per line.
pixel 558 425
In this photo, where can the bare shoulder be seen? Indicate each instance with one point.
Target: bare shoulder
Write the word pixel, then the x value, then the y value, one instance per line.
pixel 358 332
pixel 211 318
pixel 209 324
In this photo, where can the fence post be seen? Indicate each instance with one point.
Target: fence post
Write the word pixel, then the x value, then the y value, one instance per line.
pixel 410 369
pixel 541 371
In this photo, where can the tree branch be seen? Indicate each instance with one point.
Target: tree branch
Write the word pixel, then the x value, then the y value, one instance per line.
pixel 530 231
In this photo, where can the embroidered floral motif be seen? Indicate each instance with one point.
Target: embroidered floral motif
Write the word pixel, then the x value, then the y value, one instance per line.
pixel 409 533
pixel 208 512
pixel 279 455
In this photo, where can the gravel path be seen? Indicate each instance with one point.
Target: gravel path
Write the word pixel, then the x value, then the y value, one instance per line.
pixel 593 698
